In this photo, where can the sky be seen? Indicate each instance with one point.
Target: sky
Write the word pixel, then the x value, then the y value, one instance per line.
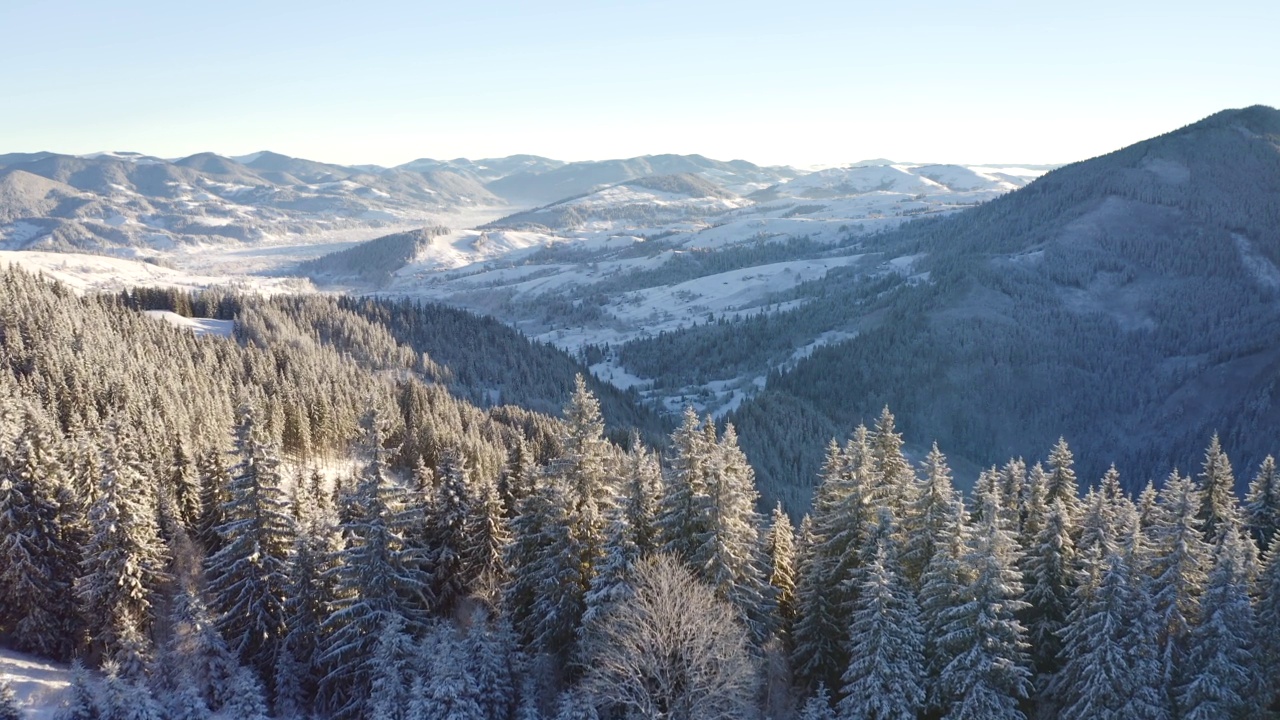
pixel 801 82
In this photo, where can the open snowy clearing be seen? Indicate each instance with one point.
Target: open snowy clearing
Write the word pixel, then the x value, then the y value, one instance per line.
pixel 38 684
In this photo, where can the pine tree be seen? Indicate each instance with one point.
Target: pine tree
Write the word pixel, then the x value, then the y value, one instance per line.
pixel 124 559
pixel 81 696
pixel 486 528
pixel 932 510
pixel 392 678
pixel 885 679
pixel 641 490
pixel 215 483
pixel 729 556
pixel 448 518
pixel 184 480
pixel 780 548
pixel 37 556
pixel 613 582
pixel 943 586
pixel 376 580
pixel 1062 483
pixel 1262 505
pixel 894 483
pixel 842 519
pixel 1179 566
pixel 989 674
pixel 195 656
pixel 818 706
pixel 1223 680
pixel 489 647
pixel 1268 611
pixel 452 692
pixel 1048 575
pixel 249 576
pixel 680 521
pixel 1217 491
pixel 317 546
pixel 1103 676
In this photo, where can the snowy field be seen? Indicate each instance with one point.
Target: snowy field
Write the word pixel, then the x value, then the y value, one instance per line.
pixel 38 684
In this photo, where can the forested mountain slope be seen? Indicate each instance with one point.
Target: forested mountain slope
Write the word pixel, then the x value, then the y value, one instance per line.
pixel 1130 302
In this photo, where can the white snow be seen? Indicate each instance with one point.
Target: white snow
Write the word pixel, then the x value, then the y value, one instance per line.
pixel 199 326
pixel 38 684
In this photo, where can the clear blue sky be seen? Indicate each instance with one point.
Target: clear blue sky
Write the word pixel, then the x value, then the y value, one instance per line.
pixel 793 82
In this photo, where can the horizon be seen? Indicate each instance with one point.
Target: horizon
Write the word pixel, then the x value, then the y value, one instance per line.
pixel 821 84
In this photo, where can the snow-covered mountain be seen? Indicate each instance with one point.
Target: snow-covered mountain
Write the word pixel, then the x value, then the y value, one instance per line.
pixel 130 203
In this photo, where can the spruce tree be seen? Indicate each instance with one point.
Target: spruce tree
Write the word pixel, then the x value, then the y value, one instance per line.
pixel 1217 491
pixel 1179 567
pixel 377 579
pixel 989 674
pixel 1222 679
pixel 729 556
pixel 1262 505
pixel 1048 575
pixel 933 511
pixel 9 709
pixel 885 679
pixel 37 556
pixel 249 576
pixel 1062 483
pixel 680 519
pixel 124 560
pixel 944 586
pixel 1268 611
pixel 780 548
pixel 818 706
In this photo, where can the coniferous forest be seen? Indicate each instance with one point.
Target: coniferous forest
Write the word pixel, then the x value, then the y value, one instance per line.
pixel 314 519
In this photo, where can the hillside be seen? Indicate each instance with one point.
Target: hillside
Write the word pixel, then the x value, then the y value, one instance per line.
pixel 1129 302
pixel 131 204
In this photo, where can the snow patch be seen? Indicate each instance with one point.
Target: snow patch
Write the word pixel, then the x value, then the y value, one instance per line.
pixel 38 684
pixel 199 326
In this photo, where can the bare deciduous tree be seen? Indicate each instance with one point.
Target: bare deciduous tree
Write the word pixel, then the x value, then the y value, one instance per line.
pixel 674 652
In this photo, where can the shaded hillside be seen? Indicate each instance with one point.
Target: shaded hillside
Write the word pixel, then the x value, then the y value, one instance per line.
pixel 1130 302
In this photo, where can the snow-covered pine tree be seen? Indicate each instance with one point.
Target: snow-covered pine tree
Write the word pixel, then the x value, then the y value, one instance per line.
pixel 990 672
pixel 451 691
pixel 943 586
pixel 377 578
pixel 613 582
pixel 38 560
pixel 490 649
pixel 195 655
pixel 123 563
pixel 640 493
pixel 448 515
pixel 818 706
pixel 842 518
pixel 679 517
pixel 488 534
pixel 124 697
pixel 1062 483
pixel 249 577
pixel 729 556
pixel 184 483
pixel 1103 672
pixel 780 548
pixel 1217 491
pixel 393 657
pixel 1268 599
pixel 1222 679
pixel 1179 566
pixel 885 679
pixel 555 575
pixel 933 512
pixel 1262 504
pixel 81 699
pixel 1048 575
pixel 215 482
pixel 893 482
pixel 247 700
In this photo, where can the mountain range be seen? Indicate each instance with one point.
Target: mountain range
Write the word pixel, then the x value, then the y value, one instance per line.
pixel 1129 302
